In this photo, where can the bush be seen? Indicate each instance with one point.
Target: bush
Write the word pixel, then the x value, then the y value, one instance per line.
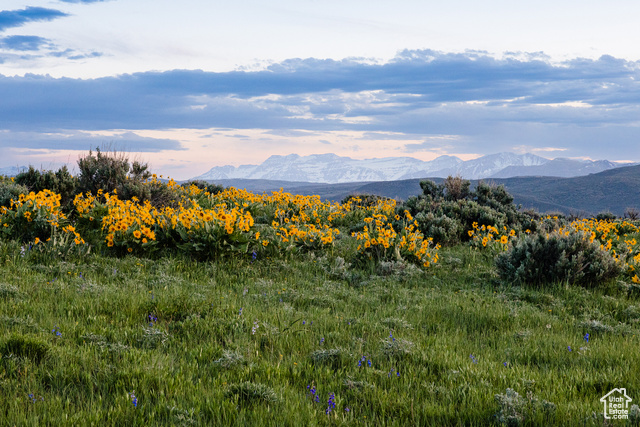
pixel 9 190
pixel 456 188
pixel 541 260
pixel 632 213
pixel 448 221
pixel 159 194
pixel 109 172
pixel 516 410
pixel 363 201
pixel 606 216
pixel 380 240
pixel 35 215
pixel 447 211
pixel 60 182
pixel 204 186
pixel 444 230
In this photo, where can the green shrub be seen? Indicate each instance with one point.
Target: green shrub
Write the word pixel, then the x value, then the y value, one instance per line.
pixel 606 216
pixel 36 215
pixel 360 201
pixel 229 359
pixel 552 222
pixel 456 188
pixel 159 194
pixel 204 185
pixel 10 190
pixel 497 198
pixel 448 221
pixel 444 229
pixel 60 182
pixel 113 171
pixel 516 410
pixel 109 172
pixel 8 292
pixel 543 259
pixel 447 211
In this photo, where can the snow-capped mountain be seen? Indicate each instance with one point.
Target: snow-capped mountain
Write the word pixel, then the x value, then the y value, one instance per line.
pixel 11 170
pixel 560 167
pixel 488 166
pixel 330 168
pixel 333 169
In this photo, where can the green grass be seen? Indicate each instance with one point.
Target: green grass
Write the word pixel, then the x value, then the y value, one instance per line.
pixel 238 343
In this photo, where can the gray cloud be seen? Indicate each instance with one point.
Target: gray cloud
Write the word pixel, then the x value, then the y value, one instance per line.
pixel 125 141
pixel 319 87
pixel 290 132
pixel 23 43
pixel 45 50
pixel 18 18
pixel 21 48
pixel 83 1
pixel 490 104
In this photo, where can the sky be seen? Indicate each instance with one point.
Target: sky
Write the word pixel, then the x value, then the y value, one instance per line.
pixel 190 85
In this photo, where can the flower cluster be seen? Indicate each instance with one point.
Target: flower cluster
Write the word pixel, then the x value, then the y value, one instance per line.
pixel 488 236
pixel 331 403
pixel 33 217
pixel 56 331
pixel 362 360
pixel 34 399
pixel 380 241
pixel 619 238
pixel 312 392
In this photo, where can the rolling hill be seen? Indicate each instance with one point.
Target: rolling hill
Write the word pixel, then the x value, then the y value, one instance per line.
pixel 613 190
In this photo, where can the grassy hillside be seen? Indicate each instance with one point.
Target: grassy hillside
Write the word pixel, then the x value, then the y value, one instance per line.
pixel 130 341
pixel 159 304
pixel 614 190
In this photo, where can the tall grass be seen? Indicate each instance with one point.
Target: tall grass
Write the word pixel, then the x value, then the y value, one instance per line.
pixel 97 340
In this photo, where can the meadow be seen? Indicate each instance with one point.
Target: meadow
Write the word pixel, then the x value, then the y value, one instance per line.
pixel 210 306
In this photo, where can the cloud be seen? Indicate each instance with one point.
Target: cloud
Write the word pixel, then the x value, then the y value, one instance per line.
pixel 433 143
pixel 290 132
pixel 17 49
pixel 44 50
pixel 482 103
pixel 17 18
pixel 422 80
pixel 74 55
pixel 83 1
pixel 83 141
pixel 23 43
pixel 536 150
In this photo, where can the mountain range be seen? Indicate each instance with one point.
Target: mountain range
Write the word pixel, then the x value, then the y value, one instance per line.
pixel 11 170
pixel 333 169
pixel 614 190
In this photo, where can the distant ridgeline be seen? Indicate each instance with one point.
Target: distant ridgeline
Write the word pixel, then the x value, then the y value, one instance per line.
pixel 614 190
pixel 12 170
pixel 334 169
